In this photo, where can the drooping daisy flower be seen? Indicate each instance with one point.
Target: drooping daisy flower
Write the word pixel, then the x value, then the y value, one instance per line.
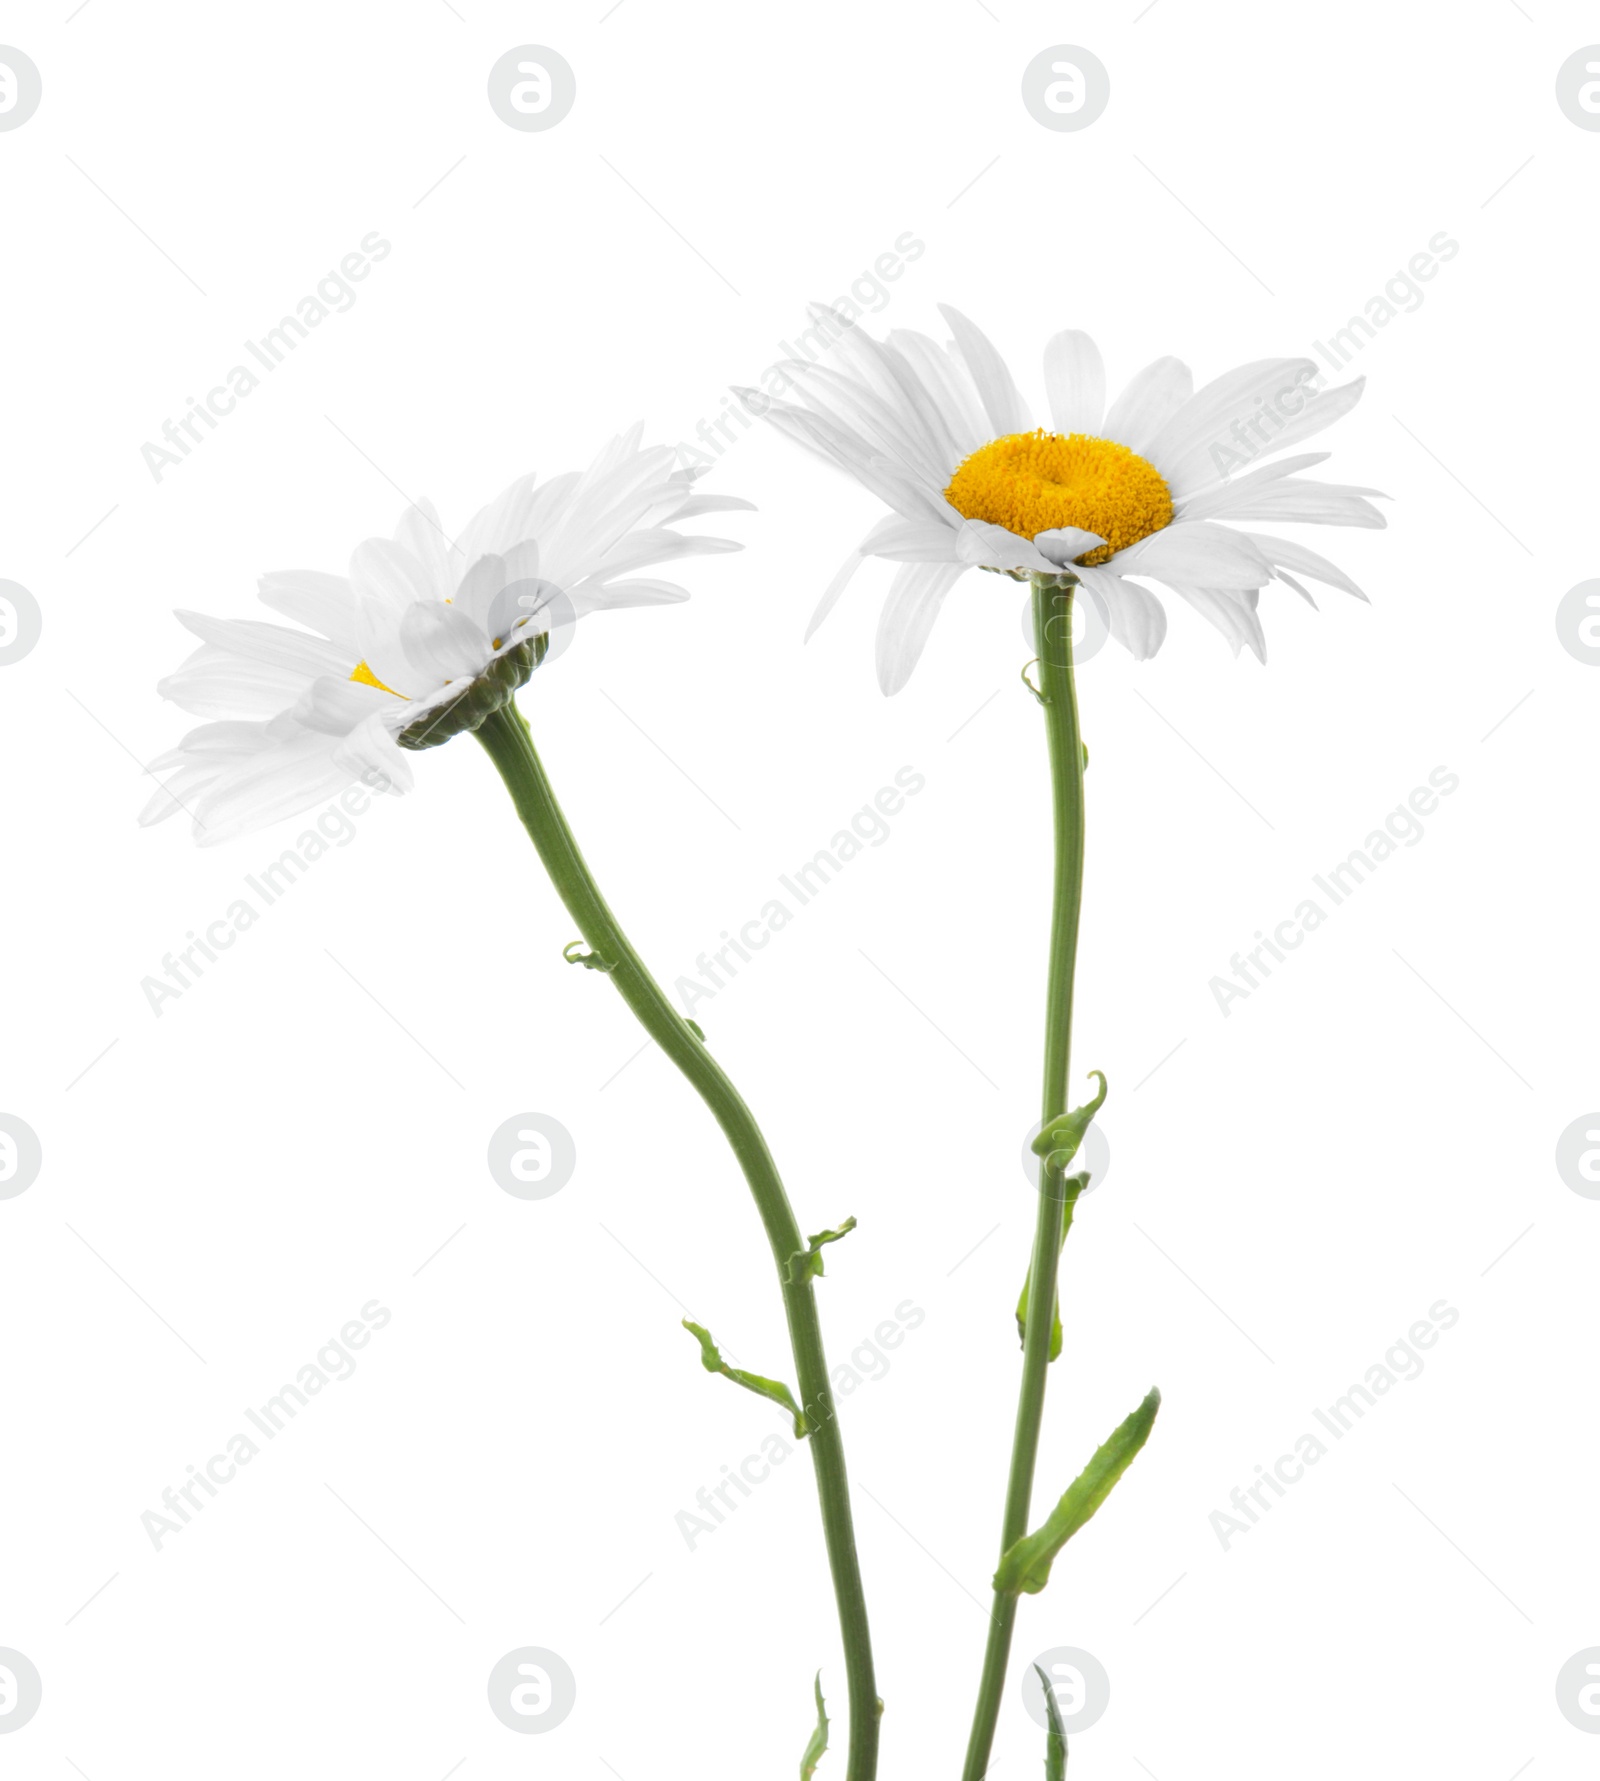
pixel 424 638
pixel 943 436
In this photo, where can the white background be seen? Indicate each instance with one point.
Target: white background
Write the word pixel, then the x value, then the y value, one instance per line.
pixel 1290 1190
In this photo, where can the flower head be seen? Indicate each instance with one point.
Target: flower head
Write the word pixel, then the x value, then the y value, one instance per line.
pixel 423 639
pixel 943 437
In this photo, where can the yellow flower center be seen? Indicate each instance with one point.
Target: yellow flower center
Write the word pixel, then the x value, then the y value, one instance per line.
pixel 363 676
pixel 1034 482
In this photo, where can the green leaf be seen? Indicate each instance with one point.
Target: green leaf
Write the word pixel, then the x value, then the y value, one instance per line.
pixel 806 1264
pixel 1025 1567
pixel 1055 1750
pixel 713 1362
pixel 1058 1142
pixel 574 954
pixel 1073 1186
pixel 818 1746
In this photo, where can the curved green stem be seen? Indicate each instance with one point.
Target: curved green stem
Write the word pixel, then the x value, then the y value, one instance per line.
pixel 509 743
pixel 1052 624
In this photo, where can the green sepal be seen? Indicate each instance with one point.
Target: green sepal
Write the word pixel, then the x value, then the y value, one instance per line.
pixel 1058 1142
pixel 1073 1186
pixel 1025 1567
pixel 1055 1750
pixel 806 1264
pixel 774 1389
pixel 817 1748
pixel 488 692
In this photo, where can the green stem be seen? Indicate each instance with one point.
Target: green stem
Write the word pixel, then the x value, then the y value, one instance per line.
pixel 1052 626
pixel 506 737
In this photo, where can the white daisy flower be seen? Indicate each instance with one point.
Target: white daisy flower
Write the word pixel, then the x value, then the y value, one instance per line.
pixel 424 639
pixel 943 436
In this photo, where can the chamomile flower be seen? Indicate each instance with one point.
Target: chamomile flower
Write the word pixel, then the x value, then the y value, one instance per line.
pixel 1140 489
pixel 423 639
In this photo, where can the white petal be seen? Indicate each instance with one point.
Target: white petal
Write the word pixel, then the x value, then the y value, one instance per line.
pixel 371 754
pixel 916 541
pixel 1322 410
pixel 178 792
pixel 276 645
pixel 1304 592
pixel 699 504
pixel 1198 444
pixel 215 682
pixel 478 588
pixel 441 642
pixel 1063 544
pixel 522 561
pixel 911 607
pixel 1138 619
pixel 1285 553
pixel 1296 500
pixel 386 578
pixel 997 390
pixel 219 742
pixel 889 530
pixel 1199 553
pixel 643 592
pixel 885 398
pixel 657 545
pixel 324 602
pixel 831 593
pixel 948 384
pixel 846 450
pixel 993 547
pixel 1153 396
pixel 607 501
pixel 421 536
pixel 280 783
pixel 504 522
pixel 335 706
pixel 1075 382
pixel 1218 500
pixel 1232 616
pixel 387 582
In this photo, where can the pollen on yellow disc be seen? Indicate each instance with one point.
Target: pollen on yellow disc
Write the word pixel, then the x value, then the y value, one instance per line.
pixel 363 676
pixel 1034 482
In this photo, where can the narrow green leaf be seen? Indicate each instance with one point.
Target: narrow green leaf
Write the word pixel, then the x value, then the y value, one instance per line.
pixel 1073 1186
pixel 1025 1567
pixel 806 1264
pixel 818 1746
pixel 779 1393
pixel 1058 1142
pixel 1055 1750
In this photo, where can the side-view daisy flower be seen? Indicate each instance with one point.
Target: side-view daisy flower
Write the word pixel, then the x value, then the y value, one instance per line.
pixel 428 639
pixel 943 436
pixel 421 640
